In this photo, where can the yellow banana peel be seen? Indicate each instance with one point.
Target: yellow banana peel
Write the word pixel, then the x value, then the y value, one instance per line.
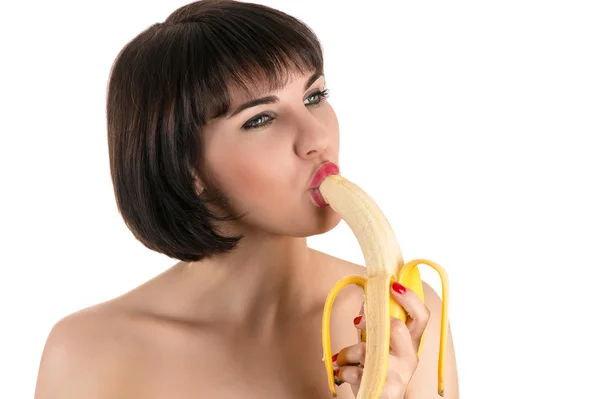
pixel 384 265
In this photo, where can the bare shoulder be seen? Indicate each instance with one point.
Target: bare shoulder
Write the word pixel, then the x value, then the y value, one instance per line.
pixel 339 267
pixel 87 353
pixel 78 353
pixel 351 298
pixel 101 351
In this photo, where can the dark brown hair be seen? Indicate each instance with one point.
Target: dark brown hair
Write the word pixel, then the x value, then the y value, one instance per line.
pixel 164 86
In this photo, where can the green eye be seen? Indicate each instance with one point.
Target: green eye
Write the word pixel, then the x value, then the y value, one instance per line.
pixel 263 120
pixel 320 95
pixel 256 122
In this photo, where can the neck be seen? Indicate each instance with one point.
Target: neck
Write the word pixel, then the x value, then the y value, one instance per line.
pixel 260 285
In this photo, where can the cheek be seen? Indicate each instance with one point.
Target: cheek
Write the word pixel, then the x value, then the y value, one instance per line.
pixel 250 175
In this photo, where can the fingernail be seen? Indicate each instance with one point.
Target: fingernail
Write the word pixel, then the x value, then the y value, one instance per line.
pixel 336 377
pixel 357 320
pixel 334 357
pixel 399 288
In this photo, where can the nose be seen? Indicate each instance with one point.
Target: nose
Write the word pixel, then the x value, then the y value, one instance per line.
pixel 313 138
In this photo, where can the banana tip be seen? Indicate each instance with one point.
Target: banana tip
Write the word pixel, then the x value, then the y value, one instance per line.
pixel 441 392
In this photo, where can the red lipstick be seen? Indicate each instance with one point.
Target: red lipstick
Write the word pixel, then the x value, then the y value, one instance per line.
pixel 326 169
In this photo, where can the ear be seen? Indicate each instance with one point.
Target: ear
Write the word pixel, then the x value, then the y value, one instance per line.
pixel 198 184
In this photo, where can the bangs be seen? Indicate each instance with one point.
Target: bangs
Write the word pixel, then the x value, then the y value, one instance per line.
pixel 254 50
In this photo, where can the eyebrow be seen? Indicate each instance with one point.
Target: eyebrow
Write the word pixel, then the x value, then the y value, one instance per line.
pixel 270 99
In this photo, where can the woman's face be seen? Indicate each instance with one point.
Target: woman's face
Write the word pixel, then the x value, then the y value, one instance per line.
pixel 263 157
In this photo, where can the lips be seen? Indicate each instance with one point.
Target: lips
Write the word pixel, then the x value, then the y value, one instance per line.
pixel 326 169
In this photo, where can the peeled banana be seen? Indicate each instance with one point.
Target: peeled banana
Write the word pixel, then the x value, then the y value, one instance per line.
pixel 384 265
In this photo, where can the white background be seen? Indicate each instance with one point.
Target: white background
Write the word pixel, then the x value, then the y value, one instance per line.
pixel 473 124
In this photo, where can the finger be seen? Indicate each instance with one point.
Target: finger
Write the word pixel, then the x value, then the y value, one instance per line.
pixel 401 342
pixel 417 311
pixel 400 336
pixel 350 374
pixel 360 324
pixel 352 355
pixel 357 319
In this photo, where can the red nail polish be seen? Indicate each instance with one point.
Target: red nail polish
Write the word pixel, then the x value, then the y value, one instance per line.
pixel 334 357
pixel 399 288
pixel 357 320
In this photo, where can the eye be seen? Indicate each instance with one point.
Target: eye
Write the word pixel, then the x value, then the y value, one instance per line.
pixel 259 121
pixel 320 96
pixel 263 120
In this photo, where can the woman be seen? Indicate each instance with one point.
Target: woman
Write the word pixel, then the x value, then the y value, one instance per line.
pixel 207 174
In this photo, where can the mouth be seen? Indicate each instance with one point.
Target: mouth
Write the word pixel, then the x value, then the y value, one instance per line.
pixel 326 169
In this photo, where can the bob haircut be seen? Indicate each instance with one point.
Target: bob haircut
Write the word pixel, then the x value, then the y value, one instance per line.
pixel 164 86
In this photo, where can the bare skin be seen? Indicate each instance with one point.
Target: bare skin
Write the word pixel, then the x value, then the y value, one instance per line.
pixel 245 324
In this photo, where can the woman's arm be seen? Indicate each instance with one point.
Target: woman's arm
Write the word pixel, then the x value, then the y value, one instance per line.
pixel 424 382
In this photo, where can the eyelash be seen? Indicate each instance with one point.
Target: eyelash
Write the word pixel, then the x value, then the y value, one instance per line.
pixel 322 94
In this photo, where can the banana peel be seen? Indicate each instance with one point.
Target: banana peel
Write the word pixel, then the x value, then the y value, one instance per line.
pixel 384 265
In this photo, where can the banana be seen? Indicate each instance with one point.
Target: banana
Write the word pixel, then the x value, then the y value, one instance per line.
pixel 384 265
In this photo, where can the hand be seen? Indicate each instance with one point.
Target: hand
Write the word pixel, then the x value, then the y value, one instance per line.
pixel 404 346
